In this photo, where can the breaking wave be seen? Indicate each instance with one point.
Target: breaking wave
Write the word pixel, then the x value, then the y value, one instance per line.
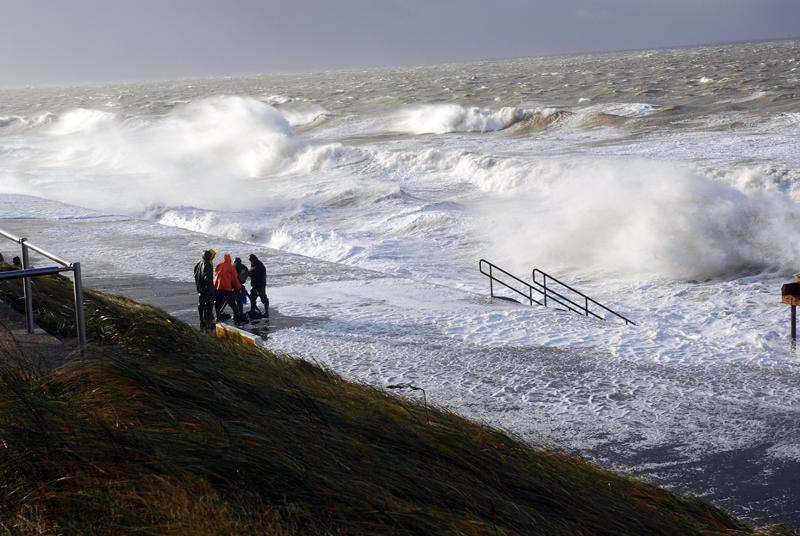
pixel 304 116
pixel 207 222
pixel 623 109
pixel 82 120
pixel 452 118
pixel 20 122
pixel 329 245
pixel 638 219
pixel 206 153
pixel 226 156
pixel 446 118
pixel 9 120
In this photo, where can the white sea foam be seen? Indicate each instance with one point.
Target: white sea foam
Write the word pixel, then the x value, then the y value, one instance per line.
pixel 205 154
pixel 642 219
pixel 623 109
pixel 277 99
pixel 82 120
pixel 445 118
pixel 324 245
pixel 204 221
pixel 741 100
pixel 789 118
pixel 488 173
pixel 236 154
pixel 304 116
pixel 26 122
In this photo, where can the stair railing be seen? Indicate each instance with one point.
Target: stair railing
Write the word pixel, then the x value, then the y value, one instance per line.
pixel 544 294
pixel 489 270
pixel 27 272
pixel 580 308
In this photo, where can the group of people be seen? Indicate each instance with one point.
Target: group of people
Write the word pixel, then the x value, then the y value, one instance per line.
pixel 224 286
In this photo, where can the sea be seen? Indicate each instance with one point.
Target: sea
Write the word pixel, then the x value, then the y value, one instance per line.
pixel 663 183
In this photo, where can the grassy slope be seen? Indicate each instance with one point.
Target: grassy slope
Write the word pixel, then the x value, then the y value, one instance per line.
pixel 160 429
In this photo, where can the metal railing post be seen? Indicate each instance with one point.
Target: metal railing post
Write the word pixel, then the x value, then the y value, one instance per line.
pixel 491 282
pixel 27 291
pixel 586 305
pixel 80 320
pixel 28 271
pixel 545 291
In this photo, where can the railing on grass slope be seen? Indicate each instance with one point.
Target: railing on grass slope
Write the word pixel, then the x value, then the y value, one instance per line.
pixel 27 272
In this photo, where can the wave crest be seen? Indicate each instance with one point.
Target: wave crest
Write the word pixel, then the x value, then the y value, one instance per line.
pixel 447 118
pixel 191 155
pixel 629 220
pixel 452 118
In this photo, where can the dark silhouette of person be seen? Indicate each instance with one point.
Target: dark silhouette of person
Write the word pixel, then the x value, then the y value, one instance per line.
pixel 244 274
pixel 258 280
pixel 206 293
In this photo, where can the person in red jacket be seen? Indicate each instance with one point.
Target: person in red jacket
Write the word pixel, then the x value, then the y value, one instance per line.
pixel 227 285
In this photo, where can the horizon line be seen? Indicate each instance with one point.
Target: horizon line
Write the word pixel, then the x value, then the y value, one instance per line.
pixel 380 67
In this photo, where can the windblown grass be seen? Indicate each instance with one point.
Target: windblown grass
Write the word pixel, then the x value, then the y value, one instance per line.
pixel 160 429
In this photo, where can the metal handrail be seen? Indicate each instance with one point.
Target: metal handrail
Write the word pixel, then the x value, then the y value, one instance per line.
pixel 492 279
pixel 574 307
pixel 546 294
pixel 35 248
pixel 28 271
pixel 586 299
pixel 32 272
pixel 531 288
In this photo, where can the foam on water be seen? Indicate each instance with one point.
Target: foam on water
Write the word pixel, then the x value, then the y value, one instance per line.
pixel 624 109
pixel 444 118
pixel 330 245
pixel 643 219
pixel 206 153
pixel 82 120
pixel 304 116
pixel 228 155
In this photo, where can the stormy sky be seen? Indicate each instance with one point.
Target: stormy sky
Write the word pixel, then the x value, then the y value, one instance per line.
pixel 46 42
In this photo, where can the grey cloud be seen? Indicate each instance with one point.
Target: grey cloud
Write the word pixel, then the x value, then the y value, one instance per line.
pixel 52 42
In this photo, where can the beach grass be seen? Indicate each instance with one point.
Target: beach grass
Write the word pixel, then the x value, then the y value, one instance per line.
pixel 158 428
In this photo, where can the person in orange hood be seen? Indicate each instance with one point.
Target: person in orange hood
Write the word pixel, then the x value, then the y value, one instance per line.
pixel 227 285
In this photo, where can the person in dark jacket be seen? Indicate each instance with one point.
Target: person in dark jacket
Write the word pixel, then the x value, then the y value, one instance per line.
pixel 244 274
pixel 204 280
pixel 258 280
pixel 16 261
